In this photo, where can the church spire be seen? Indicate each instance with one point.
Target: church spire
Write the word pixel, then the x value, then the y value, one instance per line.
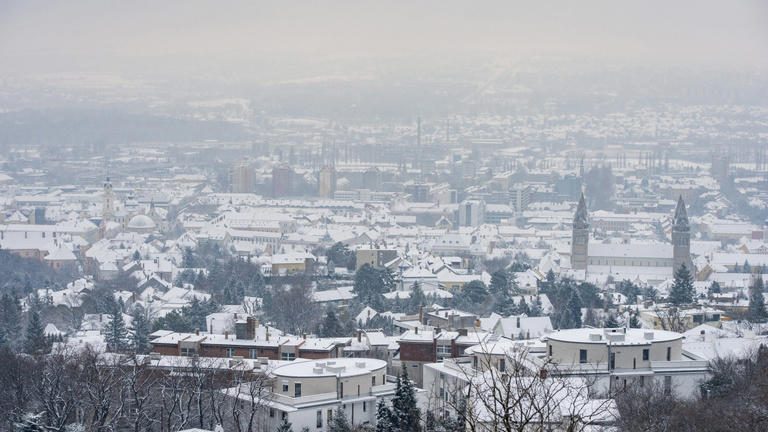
pixel 680 220
pixel 580 219
pixel 681 237
pixel 580 237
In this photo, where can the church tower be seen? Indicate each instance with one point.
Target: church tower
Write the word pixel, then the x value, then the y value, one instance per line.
pixel 681 237
pixel 580 237
pixel 107 207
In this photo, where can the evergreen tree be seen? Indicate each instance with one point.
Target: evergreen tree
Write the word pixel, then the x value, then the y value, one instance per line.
pixel 406 416
pixel 682 290
pixel 715 288
pixel 140 337
pixel 570 316
pixel 499 282
pixel 331 326
pixel 115 333
pixel 10 319
pixel 747 268
pixel 650 293
pixel 371 284
pixel 611 322
pixel 417 299
pixel 339 423
pixel 188 259
pixel 383 417
pixel 757 310
pixel 36 342
pixel 475 292
pixel 589 318
pixel 284 426
pixel 523 307
pixel 634 321
pixel 536 308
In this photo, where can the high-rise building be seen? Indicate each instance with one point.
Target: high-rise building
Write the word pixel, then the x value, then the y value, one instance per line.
pixel 242 177
pixel 681 237
pixel 327 181
pixel 372 179
pixel 520 196
pixel 580 237
pixel 472 213
pixel 282 180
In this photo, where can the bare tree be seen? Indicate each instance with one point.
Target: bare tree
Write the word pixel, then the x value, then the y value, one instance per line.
pixel 509 390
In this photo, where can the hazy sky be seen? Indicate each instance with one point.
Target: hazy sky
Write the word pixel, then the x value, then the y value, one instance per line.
pixel 62 36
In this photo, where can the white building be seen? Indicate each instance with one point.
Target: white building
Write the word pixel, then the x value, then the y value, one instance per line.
pixel 616 358
pixel 308 392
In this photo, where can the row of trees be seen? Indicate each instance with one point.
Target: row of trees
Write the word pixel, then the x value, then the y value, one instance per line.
pixel 735 398
pixel 69 391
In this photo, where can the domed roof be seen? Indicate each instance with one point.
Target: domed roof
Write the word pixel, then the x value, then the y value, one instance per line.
pixel 141 222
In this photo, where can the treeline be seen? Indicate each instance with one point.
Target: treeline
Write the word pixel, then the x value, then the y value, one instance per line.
pixel 734 399
pixel 85 391
pixel 19 276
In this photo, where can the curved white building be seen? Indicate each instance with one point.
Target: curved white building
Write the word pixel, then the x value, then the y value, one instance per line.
pixel 619 357
pixel 307 392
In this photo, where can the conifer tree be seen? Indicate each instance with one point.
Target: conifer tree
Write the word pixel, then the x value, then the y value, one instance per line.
pixel 36 342
pixel 140 337
pixel 10 319
pixel 406 416
pixel 115 333
pixel 331 326
pixel 284 426
pixel 339 422
pixel 682 290
pixel 383 417
pixel 757 310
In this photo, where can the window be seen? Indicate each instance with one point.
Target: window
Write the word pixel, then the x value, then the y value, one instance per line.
pixel 230 352
pixel 188 352
pixel 669 353
pixel 646 354
pixel 373 380
pixel 582 356
pixel 253 353
pixel 667 384
pixel 329 415
pixel 634 363
pixel 297 390
pixel 288 356
pixel 272 413
pixel 319 421
pixel 365 406
pixel 443 350
pixel 358 389
pixel 612 361
pixel 341 389
pixel 550 350
pixel 502 365
pixel 285 387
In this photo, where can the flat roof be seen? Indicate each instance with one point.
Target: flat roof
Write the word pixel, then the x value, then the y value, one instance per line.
pixel 344 367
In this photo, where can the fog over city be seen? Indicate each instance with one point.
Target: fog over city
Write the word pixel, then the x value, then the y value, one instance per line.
pixel 428 216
